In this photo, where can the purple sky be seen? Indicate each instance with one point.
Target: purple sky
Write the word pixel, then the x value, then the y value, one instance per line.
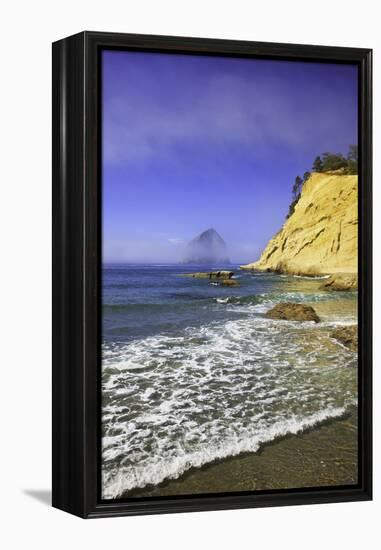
pixel 192 142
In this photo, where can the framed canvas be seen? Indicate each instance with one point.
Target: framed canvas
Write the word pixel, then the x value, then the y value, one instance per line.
pixel 211 274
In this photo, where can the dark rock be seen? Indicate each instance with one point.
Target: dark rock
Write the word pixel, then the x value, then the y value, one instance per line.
pixel 229 282
pixel 214 275
pixel 293 312
pixel 340 281
pixel 348 336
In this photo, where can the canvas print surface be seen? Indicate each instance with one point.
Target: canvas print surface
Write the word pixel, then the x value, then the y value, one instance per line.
pixel 229 274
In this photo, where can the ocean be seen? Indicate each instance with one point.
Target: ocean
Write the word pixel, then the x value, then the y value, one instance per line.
pixel 193 372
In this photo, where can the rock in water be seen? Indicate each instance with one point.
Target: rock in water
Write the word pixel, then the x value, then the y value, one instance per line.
pixel 229 282
pixel 210 275
pixel 348 336
pixel 341 281
pixel 288 311
pixel 207 248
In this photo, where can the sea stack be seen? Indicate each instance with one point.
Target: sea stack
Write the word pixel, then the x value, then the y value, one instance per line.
pixel 207 248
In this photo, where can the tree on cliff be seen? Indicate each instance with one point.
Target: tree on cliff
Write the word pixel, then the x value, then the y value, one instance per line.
pixel 327 162
pixel 333 161
pixel 317 165
pixel 296 192
pixel 330 162
pixel 352 159
pixel 297 187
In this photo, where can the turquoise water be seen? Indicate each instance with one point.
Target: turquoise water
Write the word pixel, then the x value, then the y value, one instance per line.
pixel 193 372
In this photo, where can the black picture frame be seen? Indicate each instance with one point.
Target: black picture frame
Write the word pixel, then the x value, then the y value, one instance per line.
pixel 76 274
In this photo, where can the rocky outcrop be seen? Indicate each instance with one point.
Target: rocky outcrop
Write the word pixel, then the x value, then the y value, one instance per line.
pixel 348 336
pixel 210 274
pixel 340 281
pixel 222 278
pixel 288 311
pixel 229 282
pixel 207 248
pixel 320 237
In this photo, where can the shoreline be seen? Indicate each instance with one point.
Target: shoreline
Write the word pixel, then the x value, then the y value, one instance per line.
pixel 325 455
pixel 341 280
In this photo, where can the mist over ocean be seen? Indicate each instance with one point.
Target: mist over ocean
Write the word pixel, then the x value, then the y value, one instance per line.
pixel 193 372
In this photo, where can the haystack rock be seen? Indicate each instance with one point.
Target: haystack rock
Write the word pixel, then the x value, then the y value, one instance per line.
pixel 320 237
pixel 207 248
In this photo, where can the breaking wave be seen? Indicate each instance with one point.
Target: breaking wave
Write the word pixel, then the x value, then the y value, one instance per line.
pixel 175 402
pixel 175 466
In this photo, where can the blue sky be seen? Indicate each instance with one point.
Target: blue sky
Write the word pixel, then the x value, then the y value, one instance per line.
pixel 193 142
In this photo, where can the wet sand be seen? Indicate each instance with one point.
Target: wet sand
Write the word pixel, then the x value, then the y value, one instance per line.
pixel 324 456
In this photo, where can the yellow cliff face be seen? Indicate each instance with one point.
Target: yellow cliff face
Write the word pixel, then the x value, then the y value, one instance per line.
pixel 320 237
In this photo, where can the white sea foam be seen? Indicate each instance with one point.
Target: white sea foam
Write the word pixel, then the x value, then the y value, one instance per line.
pixel 311 277
pixel 223 300
pixel 173 402
pixel 264 301
pixel 140 476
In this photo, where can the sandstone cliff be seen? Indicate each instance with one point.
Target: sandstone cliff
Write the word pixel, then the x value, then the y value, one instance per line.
pixel 320 237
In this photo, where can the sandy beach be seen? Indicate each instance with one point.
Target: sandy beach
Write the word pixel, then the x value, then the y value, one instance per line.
pixel 325 456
